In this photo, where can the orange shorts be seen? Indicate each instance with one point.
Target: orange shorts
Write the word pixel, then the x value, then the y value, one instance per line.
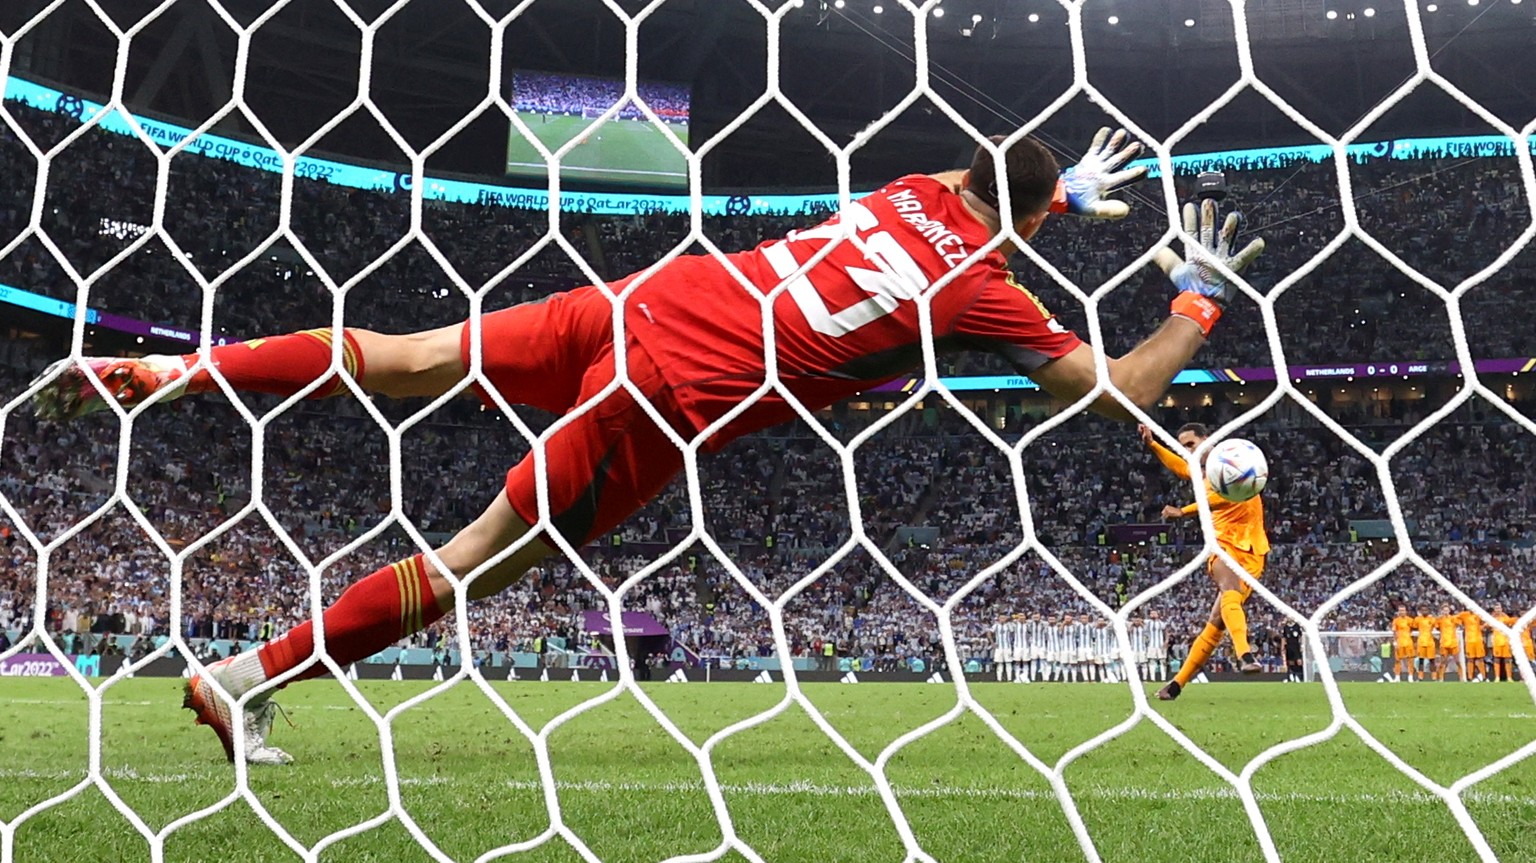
pixel 1447 651
pixel 1476 651
pixel 1404 651
pixel 607 463
pixel 1502 651
pixel 1426 651
pixel 1253 563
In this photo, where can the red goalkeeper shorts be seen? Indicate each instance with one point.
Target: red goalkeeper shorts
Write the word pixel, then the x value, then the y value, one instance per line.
pixel 604 465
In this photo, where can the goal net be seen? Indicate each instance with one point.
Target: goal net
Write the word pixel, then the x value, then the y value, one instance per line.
pixel 943 511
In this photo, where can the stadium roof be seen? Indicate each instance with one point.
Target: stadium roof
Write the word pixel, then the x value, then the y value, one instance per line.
pixel 997 62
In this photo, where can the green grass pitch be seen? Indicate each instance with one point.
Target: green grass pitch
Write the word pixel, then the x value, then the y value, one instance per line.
pixel 619 151
pixel 631 793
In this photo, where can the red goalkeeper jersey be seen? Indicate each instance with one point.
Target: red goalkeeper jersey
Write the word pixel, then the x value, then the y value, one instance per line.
pixel 845 325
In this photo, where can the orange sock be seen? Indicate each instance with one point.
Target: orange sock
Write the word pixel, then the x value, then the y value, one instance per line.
pixel 1235 620
pixel 1200 650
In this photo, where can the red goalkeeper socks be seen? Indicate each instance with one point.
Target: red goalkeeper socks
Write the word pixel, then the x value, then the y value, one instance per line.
pixel 369 616
pixel 281 365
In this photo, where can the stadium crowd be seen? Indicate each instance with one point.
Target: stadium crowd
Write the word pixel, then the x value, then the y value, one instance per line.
pixel 777 502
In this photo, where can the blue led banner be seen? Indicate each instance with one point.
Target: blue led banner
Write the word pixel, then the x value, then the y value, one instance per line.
pixel 385 179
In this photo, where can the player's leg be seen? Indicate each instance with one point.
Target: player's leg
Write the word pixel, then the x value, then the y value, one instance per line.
pixel 530 346
pixel 1200 651
pixel 600 467
pixel 427 363
pixel 394 602
pixel 1234 592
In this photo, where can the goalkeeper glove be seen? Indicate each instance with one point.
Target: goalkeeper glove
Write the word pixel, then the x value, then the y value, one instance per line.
pixel 1083 189
pixel 1203 290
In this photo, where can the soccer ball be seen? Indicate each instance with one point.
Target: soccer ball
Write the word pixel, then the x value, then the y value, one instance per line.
pixel 1237 470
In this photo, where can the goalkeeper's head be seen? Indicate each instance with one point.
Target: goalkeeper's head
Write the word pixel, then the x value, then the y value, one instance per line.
pixel 1030 171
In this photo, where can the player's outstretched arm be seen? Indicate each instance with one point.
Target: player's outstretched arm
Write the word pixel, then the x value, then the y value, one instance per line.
pixel 1170 459
pixel 1144 374
pixel 1084 189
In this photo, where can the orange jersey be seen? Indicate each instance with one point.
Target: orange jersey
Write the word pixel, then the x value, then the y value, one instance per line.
pixel 1447 626
pixel 1240 525
pixel 1426 627
pixel 1472 629
pixel 1402 630
pixel 1500 640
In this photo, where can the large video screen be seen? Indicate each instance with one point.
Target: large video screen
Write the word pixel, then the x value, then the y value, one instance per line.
pixel 627 149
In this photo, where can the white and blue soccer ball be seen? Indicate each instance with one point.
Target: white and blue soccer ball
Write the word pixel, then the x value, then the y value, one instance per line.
pixel 1237 470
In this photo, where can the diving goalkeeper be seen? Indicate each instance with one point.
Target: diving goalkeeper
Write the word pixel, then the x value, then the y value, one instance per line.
pixel 694 348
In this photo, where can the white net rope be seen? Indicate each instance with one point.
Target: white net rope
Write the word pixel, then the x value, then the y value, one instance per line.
pixel 1240 781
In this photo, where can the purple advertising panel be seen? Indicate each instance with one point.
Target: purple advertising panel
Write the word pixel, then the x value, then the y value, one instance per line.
pixel 1401 368
pixel 1129 533
pixel 136 327
pixel 635 623
pixel 32 665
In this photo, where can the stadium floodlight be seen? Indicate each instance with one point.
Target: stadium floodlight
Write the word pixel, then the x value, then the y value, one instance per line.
pixel 1332 14
pixel 1113 20
pixel 878 10
pixel 1034 17
pixel 938 11
pixel 1189 22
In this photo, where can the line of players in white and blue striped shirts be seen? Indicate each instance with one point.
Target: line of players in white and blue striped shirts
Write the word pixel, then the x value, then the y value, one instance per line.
pixel 1065 647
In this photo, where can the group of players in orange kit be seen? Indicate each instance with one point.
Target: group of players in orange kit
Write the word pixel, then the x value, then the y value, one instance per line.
pixel 1428 645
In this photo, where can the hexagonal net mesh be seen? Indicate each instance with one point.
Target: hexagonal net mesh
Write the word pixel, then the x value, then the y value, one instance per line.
pixel 859 541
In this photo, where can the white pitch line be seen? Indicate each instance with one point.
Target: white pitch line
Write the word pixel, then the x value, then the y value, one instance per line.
pixel 811 789
pixel 80 702
pixel 574 168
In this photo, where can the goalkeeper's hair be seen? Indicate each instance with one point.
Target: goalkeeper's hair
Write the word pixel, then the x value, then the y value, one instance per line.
pixel 1198 428
pixel 1031 171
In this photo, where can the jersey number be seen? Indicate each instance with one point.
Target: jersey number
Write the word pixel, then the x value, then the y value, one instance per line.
pixel 887 290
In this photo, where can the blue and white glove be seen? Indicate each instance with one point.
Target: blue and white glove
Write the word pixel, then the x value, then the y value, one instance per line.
pixel 1193 273
pixel 1084 188
pixel 1202 290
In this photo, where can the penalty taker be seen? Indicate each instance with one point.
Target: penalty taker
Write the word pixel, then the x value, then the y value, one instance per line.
pixel 693 347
